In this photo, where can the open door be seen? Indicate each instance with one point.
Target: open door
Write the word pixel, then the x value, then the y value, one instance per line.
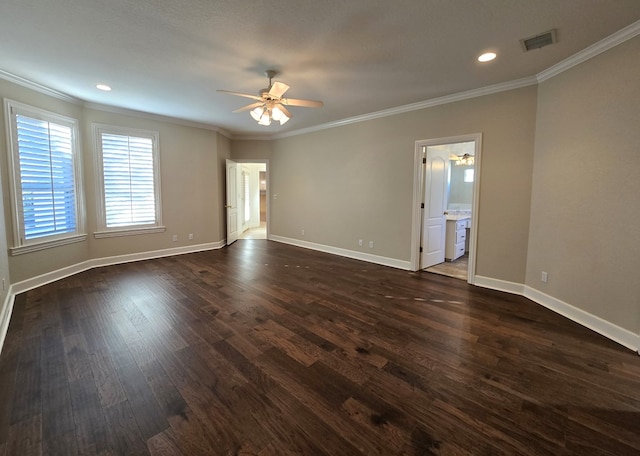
pixel 231 205
pixel 436 180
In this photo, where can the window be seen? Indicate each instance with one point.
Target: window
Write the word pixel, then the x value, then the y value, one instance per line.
pixel 129 181
pixel 45 178
pixel 468 175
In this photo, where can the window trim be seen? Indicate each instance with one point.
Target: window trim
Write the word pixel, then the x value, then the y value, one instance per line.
pixel 20 244
pixel 102 230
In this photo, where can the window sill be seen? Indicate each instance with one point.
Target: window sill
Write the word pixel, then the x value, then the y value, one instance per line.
pixel 128 232
pixel 47 244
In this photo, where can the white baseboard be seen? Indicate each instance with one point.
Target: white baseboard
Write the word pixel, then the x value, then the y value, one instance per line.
pixel 593 322
pixel 5 315
pixel 384 261
pixel 499 285
pixel 609 330
pixel 131 257
pixel 38 281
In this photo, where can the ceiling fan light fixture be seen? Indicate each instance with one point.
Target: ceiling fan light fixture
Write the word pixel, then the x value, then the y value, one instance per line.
pixel 284 119
pixel 277 114
pixel 270 105
pixel 257 113
pixel 265 119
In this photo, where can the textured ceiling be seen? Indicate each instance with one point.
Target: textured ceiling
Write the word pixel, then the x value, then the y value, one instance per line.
pixel 168 57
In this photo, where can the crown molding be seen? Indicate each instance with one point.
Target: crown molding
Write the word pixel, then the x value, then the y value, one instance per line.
pixel 239 137
pixel 156 117
pixel 105 108
pixel 595 49
pixel 460 96
pixel 19 80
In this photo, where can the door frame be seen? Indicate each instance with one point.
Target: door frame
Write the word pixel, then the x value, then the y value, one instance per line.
pixel 268 178
pixel 231 214
pixel 418 183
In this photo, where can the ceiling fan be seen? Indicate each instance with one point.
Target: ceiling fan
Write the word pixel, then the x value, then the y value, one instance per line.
pixel 270 104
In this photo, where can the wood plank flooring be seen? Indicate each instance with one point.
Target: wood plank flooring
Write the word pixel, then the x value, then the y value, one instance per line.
pixel 267 349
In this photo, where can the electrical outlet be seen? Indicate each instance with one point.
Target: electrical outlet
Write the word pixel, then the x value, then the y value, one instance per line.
pixel 360 242
pixel 544 277
pixel 191 236
pixel 303 232
pixel 370 244
pixel 175 238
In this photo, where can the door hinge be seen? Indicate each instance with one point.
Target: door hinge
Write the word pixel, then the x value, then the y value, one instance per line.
pixel 420 249
pixel 424 160
pixel 421 205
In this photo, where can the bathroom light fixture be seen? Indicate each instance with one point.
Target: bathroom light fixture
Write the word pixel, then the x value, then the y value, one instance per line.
pixel 487 57
pixel 103 87
pixel 465 160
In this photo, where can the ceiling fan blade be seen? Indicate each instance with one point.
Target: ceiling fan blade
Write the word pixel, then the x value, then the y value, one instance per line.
pixel 303 103
pixel 246 95
pixel 250 107
pixel 278 89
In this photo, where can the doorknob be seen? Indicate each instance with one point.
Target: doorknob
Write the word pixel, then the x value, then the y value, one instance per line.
pixel 228 206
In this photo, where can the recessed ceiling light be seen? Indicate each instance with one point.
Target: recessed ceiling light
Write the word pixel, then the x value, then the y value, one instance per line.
pixel 103 87
pixel 487 57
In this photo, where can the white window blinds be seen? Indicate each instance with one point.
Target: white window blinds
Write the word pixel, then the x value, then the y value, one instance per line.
pixel 47 178
pixel 128 179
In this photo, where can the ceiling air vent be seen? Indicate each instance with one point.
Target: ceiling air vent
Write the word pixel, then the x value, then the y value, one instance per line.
pixel 538 41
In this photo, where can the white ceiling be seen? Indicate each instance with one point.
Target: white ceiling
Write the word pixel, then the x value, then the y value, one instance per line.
pixel 168 57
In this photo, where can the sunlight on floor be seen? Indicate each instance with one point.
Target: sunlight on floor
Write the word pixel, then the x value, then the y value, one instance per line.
pixel 259 232
pixel 456 269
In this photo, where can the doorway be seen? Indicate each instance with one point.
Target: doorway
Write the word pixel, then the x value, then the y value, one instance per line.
pixel 247 203
pixel 446 183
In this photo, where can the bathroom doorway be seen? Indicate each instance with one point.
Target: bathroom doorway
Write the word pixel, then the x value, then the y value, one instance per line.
pixel 446 182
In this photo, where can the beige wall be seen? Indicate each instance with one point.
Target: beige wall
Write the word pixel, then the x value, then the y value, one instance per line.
pixel 188 159
pixel 585 214
pixel 251 149
pixel 224 152
pixel 356 181
pixel 191 186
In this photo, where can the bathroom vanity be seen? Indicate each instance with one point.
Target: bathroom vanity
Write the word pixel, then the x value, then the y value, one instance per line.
pixel 456 236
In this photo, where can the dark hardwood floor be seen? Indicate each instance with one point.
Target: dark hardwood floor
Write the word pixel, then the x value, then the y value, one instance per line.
pixel 267 349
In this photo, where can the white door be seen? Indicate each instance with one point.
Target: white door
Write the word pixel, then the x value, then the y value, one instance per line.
pixel 232 201
pixel 436 184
